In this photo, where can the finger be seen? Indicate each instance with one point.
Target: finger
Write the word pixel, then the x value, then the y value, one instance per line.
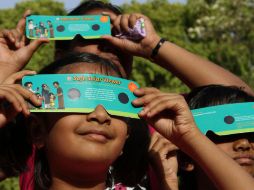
pixel 154 138
pixel 111 15
pixel 18 36
pixel 119 43
pixel 18 76
pixel 147 90
pixel 163 146
pixel 7 34
pixel 132 20
pixel 22 94
pixel 153 99
pixel 28 95
pixel 116 25
pixel 20 99
pixel 34 45
pixel 22 22
pixel 174 105
pixel 124 23
pixel 146 99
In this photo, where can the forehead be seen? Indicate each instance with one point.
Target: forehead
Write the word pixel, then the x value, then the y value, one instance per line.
pixel 90 68
pixel 96 11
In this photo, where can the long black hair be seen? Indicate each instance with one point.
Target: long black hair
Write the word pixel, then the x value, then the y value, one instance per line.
pixel 15 148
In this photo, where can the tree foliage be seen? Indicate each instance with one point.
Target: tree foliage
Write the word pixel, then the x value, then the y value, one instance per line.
pixel 225 29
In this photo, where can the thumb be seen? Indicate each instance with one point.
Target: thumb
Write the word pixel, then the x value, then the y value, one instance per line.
pixel 22 22
pixel 115 41
pixel 34 45
pixel 18 76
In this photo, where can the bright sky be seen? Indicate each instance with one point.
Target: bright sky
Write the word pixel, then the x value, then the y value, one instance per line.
pixel 70 4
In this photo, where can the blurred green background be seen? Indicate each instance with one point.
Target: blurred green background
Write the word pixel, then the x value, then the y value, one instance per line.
pixel 219 30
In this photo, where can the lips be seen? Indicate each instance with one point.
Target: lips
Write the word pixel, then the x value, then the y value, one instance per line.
pixel 94 134
pixel 245 159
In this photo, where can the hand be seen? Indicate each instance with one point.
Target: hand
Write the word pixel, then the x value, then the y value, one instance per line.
pixel 168 113
pixel 15 53
pixel 122 23
pixel 164 161
pixel 12 98
pixel 16 77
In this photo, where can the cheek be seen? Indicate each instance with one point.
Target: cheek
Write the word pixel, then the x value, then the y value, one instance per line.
pixel 61 134
pixel 226 147
pixel 121 130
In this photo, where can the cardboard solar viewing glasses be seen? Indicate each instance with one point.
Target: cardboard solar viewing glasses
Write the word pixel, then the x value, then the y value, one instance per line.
pixel 67 27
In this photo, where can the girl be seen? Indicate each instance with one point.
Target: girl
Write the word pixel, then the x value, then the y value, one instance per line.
pixel 170 116
pixel 96 141
pixel 239 147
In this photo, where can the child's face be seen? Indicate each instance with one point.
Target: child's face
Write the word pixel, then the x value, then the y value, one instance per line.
pixel 90 141
pixel 85 140
pixel 240 147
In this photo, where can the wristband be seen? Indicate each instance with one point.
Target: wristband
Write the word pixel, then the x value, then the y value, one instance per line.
pixel 157 47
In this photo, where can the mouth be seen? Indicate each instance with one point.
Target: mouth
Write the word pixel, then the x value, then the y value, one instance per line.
pixel 245 160
pixel 95 135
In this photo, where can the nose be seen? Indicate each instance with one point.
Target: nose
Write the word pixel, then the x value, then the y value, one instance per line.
pixel 99 115
pixel 242 145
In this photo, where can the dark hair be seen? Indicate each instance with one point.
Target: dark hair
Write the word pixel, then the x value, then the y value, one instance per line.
pixel 94 4
pixel 82 9
pixel 132 165
pixel 75 57
pixel 56 82
pixel 204 96
pixel 27 83
pixel 212 95
pixel 15 148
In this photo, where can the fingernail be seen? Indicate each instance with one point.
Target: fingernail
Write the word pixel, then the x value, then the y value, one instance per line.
pixel 28 112
pixel 142 112
pixel 135 101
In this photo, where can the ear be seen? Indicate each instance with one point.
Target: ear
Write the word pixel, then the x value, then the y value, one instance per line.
pixel 185 162
pixel 37 130
pixel 187 166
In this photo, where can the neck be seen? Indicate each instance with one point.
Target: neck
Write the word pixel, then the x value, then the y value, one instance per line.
pixel 69 183
pixel 82 179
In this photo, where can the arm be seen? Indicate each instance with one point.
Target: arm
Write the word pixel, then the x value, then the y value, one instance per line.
pixel 15 52
pixel 193 70
pixel 163 159
pixel 171 117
